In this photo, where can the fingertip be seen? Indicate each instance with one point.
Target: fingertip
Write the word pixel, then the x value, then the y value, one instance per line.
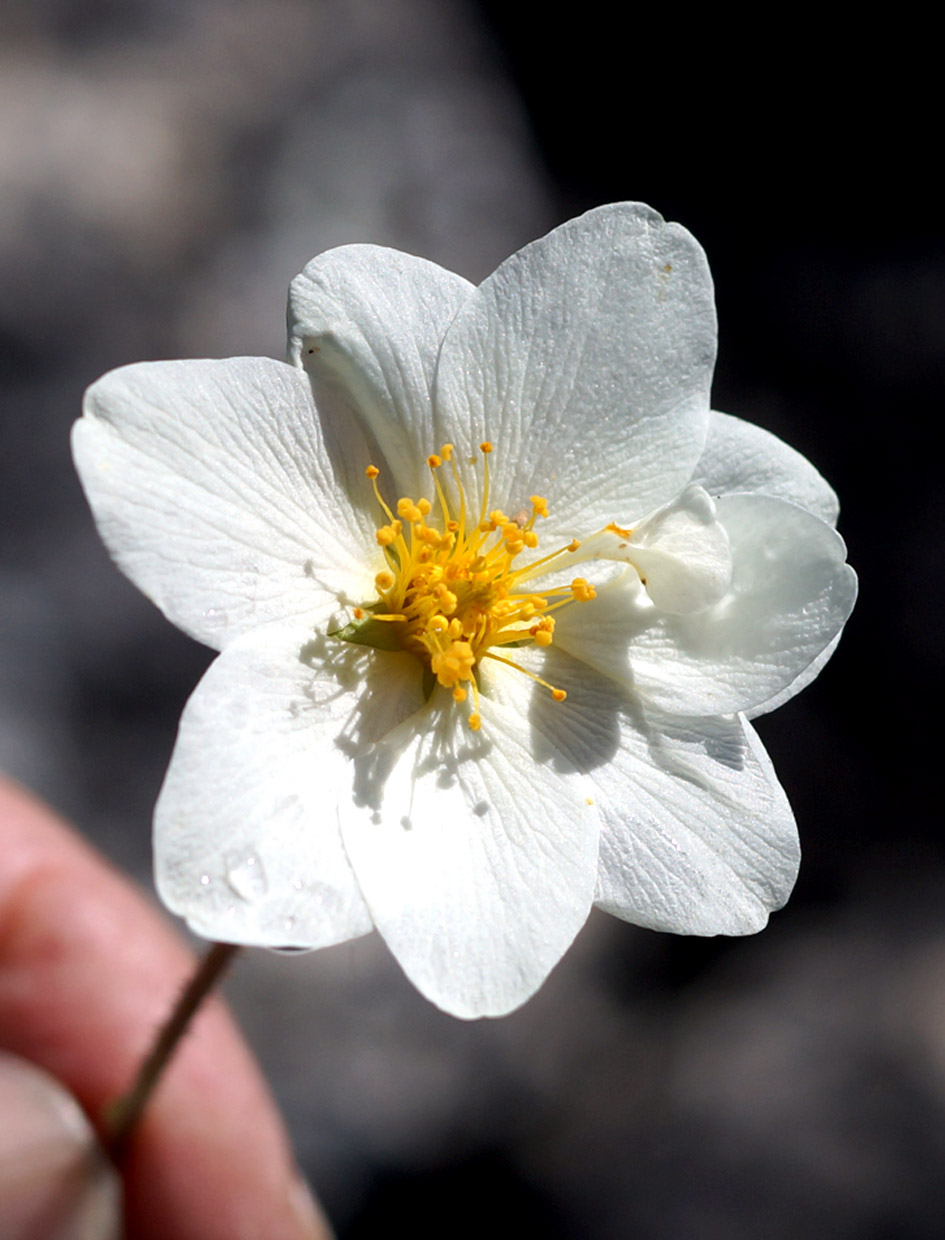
pixel 55 1180
pixel 89 970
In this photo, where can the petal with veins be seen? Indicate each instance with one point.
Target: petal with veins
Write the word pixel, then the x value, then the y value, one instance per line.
pixel 697 836
pixel 791 592
pixel 476 857
pixel 739 456
pixel 586 358
pixel 367 323
pixel 246 838
pixel 224 496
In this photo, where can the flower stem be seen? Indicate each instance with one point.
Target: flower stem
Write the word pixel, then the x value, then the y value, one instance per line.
pixel 123 1115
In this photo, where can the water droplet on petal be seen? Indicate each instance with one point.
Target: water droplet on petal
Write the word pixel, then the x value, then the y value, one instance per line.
pixel 245 875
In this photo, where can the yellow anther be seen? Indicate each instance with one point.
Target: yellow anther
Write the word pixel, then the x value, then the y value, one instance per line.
pixel 459 694
pixel 543 630
pixel 582 590
pixel 447 452
pixel 387 534
pixel 558 694
pixel 453 664
pixel 475 721
pixel 540 505
pixel 438 624
pixel 434 461
pixel 372 471
pixel 572 545
pixel 456 628
pixel 358 613
pixel 407 509
pixel 385 580
pixel 425 507
pixel 485 447
pixel 530 538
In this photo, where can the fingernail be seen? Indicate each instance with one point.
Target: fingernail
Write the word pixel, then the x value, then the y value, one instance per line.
pixel 55 1181
pixel 312 1223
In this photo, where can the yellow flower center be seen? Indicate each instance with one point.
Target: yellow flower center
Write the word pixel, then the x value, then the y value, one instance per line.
pixel 451 592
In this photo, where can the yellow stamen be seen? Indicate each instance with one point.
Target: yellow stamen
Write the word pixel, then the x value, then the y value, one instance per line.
pixel 387 534
pixel 410 511
pixel 452 586
pixel 558 694
pixel 582 590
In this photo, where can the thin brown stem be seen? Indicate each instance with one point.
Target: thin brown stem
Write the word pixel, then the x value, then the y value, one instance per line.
pixel 123 1115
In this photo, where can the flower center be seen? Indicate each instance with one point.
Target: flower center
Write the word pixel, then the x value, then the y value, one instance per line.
pixel 451 593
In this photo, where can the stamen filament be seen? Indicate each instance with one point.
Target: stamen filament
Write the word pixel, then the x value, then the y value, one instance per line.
pixel 372 472
pixel 529 571
pixel 558 694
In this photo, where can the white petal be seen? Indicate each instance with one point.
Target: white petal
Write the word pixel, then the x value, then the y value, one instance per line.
pixel 697 834
pixel 741 457
pixel 681 553
pixel 586 360
pixel 368 322
pixel 797 684
pixel 475 854
pixel 790 596
pixel 246 838
pixel 220 492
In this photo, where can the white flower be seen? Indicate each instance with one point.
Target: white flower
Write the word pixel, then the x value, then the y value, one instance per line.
pixel 444 730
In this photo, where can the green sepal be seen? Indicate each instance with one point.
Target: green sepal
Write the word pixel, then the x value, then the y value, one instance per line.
pixel 369 631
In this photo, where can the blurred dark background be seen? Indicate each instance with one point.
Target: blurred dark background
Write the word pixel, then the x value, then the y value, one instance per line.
pixel 165 168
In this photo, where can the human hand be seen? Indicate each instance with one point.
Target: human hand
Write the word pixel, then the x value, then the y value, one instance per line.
pixel 88 972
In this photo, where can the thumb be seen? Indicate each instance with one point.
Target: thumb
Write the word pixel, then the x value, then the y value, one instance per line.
pixel 55 1181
